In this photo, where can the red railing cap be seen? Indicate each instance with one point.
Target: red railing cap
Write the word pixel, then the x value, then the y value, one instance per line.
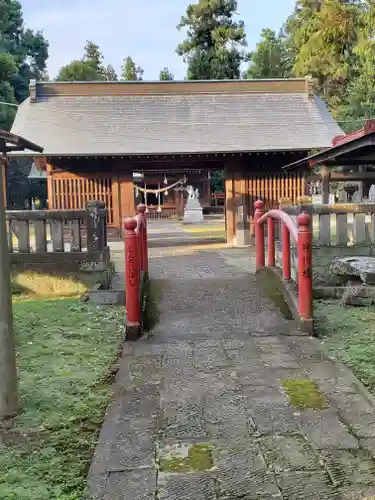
pixel 130 224
pixel 258 204
pixel 141 208
pixel 304 219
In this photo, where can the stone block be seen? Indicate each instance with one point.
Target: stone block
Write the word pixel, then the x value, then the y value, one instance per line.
pixel 193 486
pixel 139 484
pixel 288 453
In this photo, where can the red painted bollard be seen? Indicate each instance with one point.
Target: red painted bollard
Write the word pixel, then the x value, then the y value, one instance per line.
pixel 286 253
pixel 271 241
pixel 132 280
pixel 305 267
pixel 141 209
pixel 259 234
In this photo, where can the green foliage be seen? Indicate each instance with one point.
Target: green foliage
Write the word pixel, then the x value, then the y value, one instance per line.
pixel 78 71
pixel 89 68
pixel 271 58
pixel 359 101
pixel 213 48
pixel 130 71
pixel 322 35
pixel 65 350
pixel 8 68
pixel 23 55
pixel 217 181
pixel 165 74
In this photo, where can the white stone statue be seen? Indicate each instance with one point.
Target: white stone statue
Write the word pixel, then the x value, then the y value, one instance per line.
pixel 191 192
pixel 196 194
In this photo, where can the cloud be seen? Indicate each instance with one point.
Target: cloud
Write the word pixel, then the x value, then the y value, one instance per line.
pixel 144 29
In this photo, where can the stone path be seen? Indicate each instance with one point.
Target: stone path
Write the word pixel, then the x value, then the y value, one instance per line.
pixel 203 407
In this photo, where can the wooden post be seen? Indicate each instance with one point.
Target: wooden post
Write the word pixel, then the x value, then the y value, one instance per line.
pixel 9 397
pixel 325 184
pixel 4 175
pixel 50 193
pixel 230 207
pixel 286 253
pixel 259 234
pixel 96 226
pixel 304 267
pixel 127 196
pixel 141 209
pixel 132 280
pixel 271 241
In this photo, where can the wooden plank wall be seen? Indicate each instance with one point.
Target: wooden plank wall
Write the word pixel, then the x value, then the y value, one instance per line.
pixel 271 189
pixel 242 190
pixel 70 192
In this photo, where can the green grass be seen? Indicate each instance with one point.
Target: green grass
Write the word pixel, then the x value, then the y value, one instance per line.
pixel 65 352
pixel 304 393
pixel 349 335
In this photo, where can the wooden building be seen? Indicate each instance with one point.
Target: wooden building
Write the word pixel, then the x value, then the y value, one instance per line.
pixel 96 135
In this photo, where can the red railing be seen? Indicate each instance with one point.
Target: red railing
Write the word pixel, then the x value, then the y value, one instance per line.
pixel 136 269
pixel 302 236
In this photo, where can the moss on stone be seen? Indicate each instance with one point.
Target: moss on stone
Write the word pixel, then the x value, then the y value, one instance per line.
pixel 303 394
pixel 198 459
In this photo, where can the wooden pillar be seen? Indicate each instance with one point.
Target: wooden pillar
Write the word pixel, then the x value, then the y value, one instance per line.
pixel 126 195
pixel 50 193
pixel 116 203
pixel 325 185
pixel 361 169
pixel 4 177
pixel 230 206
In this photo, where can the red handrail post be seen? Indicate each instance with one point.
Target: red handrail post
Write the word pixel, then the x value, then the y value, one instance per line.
pixel 286 253
pixel 259 234
pixel 132 280
pixel 271 241
pixel 141 209
pixel 305 287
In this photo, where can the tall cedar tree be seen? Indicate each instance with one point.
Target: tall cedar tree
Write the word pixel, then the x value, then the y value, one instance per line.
pixel 271 58
pixel 213 48
pixel 165 74
pixel 24 55
pixel 89 68
pixel 359 103
pixel 130 71
pixel 323 35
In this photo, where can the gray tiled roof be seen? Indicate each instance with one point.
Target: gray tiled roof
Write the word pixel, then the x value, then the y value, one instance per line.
pixel 166 124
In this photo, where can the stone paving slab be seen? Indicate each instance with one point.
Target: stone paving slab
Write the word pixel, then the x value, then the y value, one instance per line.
pixel 201 410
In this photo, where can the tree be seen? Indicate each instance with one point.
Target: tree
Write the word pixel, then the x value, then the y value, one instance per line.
pixel 8 68
pixel 93 56
pixel 323 35
pixel 270 58
pixel 359 102
pixel 110 73
pixel 165 74
pixel 130 71
pixel 29 51
pixel 89 68
pixel 78 71
pixel 213 48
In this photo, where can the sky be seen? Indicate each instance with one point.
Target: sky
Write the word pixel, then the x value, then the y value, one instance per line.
pixel 143 29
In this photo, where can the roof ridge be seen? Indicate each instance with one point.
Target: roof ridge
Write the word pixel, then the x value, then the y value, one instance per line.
pixel 277 85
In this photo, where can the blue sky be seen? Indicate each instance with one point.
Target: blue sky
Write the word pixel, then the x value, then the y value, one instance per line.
pixel 144 29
